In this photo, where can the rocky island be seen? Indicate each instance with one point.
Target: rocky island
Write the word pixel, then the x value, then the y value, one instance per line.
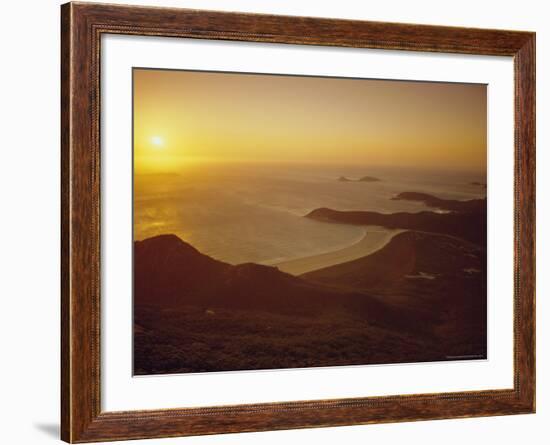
pixel 362 179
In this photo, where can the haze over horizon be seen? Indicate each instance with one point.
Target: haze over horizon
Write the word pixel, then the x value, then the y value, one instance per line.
pixel 184 118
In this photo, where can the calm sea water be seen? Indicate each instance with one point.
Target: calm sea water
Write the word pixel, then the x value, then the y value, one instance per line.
pixel 255 213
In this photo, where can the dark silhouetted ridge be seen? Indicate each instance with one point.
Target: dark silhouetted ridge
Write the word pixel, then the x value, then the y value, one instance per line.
pixel 170 273
pixel 419 298
pixel 472 205
pixel 466 219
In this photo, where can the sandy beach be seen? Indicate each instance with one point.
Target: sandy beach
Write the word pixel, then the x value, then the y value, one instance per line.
pixel 375 238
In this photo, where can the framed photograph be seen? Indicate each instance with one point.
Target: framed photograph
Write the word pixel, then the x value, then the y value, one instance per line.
pixel 274 222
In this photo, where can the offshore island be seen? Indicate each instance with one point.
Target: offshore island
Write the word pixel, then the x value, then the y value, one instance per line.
pixel 361 179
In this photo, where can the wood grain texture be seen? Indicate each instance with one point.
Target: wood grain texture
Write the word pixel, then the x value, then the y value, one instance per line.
pixel 65 227
pixel 82 26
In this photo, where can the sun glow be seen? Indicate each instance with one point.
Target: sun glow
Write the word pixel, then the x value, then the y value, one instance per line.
pixel 183 118
pixel 157 141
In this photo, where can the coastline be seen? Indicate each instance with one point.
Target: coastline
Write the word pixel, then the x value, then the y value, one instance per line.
pixel 374 239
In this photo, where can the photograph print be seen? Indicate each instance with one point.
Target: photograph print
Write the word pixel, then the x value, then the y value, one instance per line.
pixel 286 221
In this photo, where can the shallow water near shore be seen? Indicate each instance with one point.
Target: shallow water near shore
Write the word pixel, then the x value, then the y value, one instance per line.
pixel 255 212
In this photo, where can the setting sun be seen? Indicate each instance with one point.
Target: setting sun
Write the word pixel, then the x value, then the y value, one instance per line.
pixel 157 141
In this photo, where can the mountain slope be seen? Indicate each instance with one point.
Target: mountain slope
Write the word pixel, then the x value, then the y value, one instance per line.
pixel 472 205
pixel 440 280
pixel 420 298
pixel 467 225
pixel 169 273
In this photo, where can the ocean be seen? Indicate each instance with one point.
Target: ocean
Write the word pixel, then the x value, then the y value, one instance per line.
pixel 248 212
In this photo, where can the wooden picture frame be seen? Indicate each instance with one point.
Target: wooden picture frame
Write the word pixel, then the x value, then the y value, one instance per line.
pixel 82 25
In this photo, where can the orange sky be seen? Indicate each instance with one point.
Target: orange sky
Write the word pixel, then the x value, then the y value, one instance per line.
pixel 184 117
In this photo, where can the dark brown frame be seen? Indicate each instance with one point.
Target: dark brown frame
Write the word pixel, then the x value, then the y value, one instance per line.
pixel 82 25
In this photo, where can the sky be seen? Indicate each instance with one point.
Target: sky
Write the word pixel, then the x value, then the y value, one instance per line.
pixel 186 117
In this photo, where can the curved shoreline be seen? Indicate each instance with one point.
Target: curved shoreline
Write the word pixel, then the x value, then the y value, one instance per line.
pixel 375 238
